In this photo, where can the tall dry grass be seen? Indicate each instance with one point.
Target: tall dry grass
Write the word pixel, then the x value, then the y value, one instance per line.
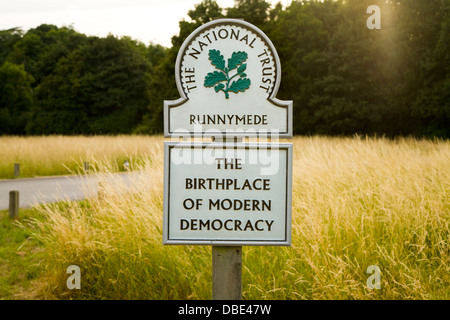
pixel 357 202
pixel 62 155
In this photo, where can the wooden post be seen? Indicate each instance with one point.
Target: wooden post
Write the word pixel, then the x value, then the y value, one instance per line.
pixel 16 170
pixel 226 273
pixel 126 165
pixel 100 190
pixel 14 204
pixel 86 167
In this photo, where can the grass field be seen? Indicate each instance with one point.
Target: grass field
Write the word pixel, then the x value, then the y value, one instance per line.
pixel 62 155
pixel 357 202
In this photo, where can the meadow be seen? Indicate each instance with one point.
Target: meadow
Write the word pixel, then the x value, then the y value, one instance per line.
pixel 63 155
pixel 357 202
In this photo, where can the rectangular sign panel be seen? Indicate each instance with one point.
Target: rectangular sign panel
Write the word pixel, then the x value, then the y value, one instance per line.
pixel 227 194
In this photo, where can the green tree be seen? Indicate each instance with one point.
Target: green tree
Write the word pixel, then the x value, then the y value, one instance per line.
pixel 351 98
pixel 8 38
pixel 301 42
pixel 15 98
pixel 40 49
pixel 425 54
pixel 161 87
pixel 343 77
pixel 98 88
pixel 253 11
pixel 204 12
pixel 162 83
pixel 336 70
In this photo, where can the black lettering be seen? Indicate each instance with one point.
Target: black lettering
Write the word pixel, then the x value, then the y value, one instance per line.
pixel 230 204
pixel 220 119
pixel 210 180
pixel 211 119
pixel 201 183
pixel 237 165
pixel 265 61
pixel 229 225
pixel 204 225
pixel 269 224
pixel 246 185
pixel 226 223
pixel 236 35
pixel 250 45
pixel 247 205
pixel 214 204
pixel 207 37
pixel 184 224
pixel 265 88
pixel 268 73
pixel 188 204
pixel 255 205
pixel 245 38
pixel 256 225
pixel 240 119
pixel 263 54
pixel 265 122
pixel 267 205
pixel 202 44
pixel 220 185
pixel 220 33
pixel 216 227
pixel 190 88
pixel 255 187
pixel 237 205
pixel 248 225
pixel 266 184
pixel 190 78
pixel 194 54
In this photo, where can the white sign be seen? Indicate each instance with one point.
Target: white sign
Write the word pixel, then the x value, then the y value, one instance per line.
pixel 227 194
pixel 228 74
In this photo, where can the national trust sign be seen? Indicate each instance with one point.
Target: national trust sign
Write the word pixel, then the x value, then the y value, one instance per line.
pixel 228 73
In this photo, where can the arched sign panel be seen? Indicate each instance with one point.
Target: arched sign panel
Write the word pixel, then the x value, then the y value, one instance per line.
pixel 228 74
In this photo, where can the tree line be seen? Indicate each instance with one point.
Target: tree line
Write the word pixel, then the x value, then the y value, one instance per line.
pixel 343 77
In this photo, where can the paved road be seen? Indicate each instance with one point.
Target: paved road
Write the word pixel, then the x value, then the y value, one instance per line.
pixel 41 190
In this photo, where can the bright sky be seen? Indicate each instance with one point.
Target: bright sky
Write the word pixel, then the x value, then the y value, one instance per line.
pixel 145 20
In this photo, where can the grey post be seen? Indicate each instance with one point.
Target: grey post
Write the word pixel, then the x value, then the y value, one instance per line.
pixel 86 167
pixel 16 170
pixel 14 204
pixel 226 273
pixel 100 190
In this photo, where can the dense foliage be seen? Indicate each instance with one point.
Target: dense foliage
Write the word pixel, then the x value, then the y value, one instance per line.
pixel 343 77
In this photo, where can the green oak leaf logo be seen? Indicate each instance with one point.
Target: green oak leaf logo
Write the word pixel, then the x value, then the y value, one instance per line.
pixel 221 80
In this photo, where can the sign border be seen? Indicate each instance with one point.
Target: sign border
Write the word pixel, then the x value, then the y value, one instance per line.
pixel 218 242
pixel 183 98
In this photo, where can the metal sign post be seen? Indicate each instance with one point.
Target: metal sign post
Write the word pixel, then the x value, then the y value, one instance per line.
pixel 227 194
